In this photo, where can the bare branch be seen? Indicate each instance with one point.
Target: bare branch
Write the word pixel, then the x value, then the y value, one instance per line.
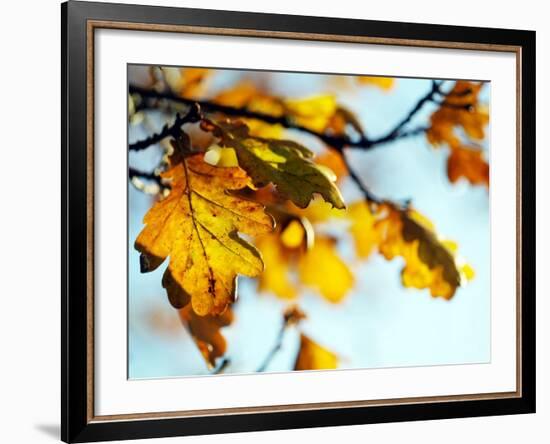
pixel 193 115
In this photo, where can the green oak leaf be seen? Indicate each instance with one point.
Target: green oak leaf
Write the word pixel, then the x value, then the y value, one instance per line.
pixel 284 163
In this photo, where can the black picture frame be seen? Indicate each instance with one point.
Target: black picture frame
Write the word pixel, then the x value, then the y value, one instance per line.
pixel 77 323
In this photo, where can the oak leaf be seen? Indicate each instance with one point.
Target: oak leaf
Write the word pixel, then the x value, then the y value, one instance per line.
pixel 317 262
pixel 322 268
pixel 246 95
pixel 313 356
pixel 197 226
pixel 429 261
pixel 317 113
pixel 363 229
pixel 278 265
pixel 205 331
pixel 314 113
pixel 284 163
pixel 461 108
pixel 468 163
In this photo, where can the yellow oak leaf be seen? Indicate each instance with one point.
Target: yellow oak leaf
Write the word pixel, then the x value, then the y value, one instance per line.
pixel 197 226
pixel 284 163
pixel 363 229
pixel 275 277
pixel 322 268
pixel 317 211
pixel 429 262
pixel 314 113
pixel 205 331
pixel 313 356
pixel 317 113
pixel 247 95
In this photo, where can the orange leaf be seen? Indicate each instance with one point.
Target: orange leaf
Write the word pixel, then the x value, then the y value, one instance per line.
pixel 384 83
pixel 333 160
pixel 197 226
pixel 205 331
pixel 313 356
pixel 452 113
pixel 468 163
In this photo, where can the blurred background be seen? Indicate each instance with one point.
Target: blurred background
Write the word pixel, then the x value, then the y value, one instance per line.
pixel 379 323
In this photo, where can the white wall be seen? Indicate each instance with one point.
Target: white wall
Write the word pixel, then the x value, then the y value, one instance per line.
pixel 30 207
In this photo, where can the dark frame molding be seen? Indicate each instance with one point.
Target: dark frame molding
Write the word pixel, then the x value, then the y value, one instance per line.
pixel 78 19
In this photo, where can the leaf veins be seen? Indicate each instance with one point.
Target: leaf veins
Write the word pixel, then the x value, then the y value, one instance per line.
pixel 286 164
pixel 197 226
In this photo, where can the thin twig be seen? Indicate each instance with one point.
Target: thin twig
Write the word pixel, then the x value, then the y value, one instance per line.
pixel 193 115
pixel 278 345
pixel 336 142
pixel 220 368
pixel 291 316
pixel 208 106
pixel 369 196
pixel 133 172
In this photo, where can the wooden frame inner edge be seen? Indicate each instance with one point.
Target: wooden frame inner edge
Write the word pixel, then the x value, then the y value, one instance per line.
pixel 97 24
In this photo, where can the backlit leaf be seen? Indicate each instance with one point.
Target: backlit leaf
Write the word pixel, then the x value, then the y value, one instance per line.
pixel 333 160
pixel 284 163
pixel 459 109
pixel 246 95
pixel 314 112
pixel 317 113
pixel 322 269
pixel 429 262
pixel 275 277
pixel 197 226
pixel 313 356
pixel 205 331
pixel 363 229
pixel 468 163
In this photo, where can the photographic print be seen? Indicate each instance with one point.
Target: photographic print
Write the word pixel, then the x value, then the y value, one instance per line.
pixel 288 221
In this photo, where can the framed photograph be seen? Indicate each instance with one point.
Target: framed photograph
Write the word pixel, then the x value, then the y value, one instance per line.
pixel 275 221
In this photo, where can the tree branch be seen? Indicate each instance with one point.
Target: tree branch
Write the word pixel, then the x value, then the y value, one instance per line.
pixel 208 106
pixel 193 115
pixel 291 316
pixel 274 349
pixel 133 172
pixel 336 142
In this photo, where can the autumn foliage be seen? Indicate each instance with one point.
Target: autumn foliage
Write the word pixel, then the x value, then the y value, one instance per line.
pixel 238 195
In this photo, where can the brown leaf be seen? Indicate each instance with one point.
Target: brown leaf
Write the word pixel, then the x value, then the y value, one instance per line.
pixel 206 333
